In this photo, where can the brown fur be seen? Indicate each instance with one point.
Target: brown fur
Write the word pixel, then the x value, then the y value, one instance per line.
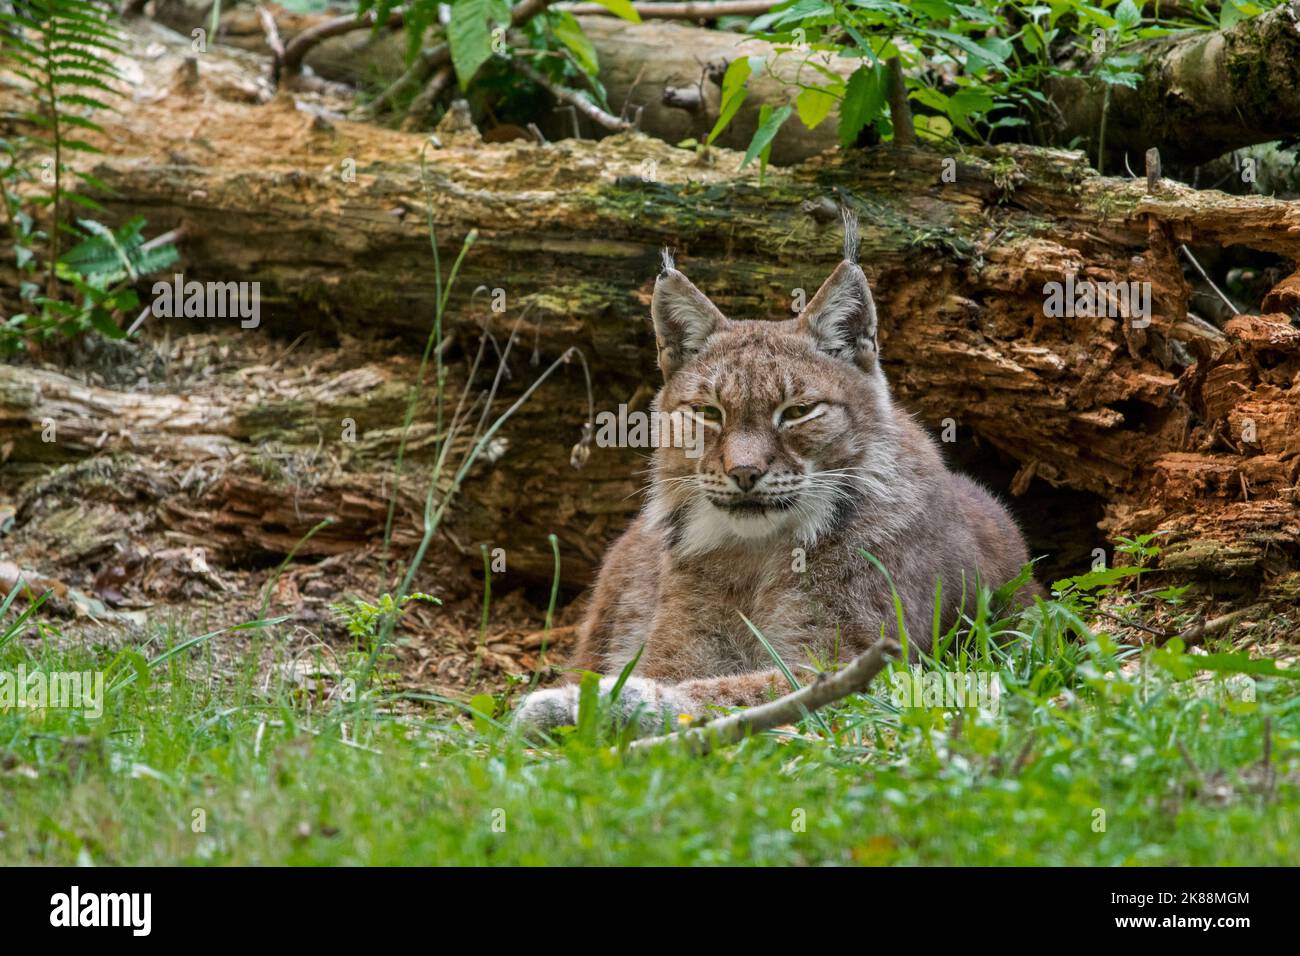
pixel 857 474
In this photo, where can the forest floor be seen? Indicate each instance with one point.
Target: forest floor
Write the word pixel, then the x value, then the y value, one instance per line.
pixel 1093 754
pixel 249 716
pixel 226 740
pixel 121 569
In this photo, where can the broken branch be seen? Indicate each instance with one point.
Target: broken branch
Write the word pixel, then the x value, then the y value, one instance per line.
pixel 301 44
pixel 575 99
pixel 826 689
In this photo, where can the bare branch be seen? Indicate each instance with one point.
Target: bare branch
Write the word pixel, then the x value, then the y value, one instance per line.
pixel 1197 633
pixel 301 44
pixel 421 108
pixel 575 99
pixel 273 41
pixel 1206 276
pixel 826 689
pixel 900 112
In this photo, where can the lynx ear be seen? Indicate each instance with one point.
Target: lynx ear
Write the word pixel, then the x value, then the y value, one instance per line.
pixel 684 318
pixel 841 318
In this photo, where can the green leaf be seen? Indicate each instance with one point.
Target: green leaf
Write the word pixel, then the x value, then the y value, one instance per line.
pixel 864 102
pixel 771 651
pixel 469 38
pixel 1230 15
pixel 929 96
pixel 965 104
pixel 624 674
pixel 481 707
pixel 1098 578
pixel 1241 664
pixel 80 146
pixel 621 8
pixel 997 49
pixel 115 256
pixel 814 105
pixel 103 323
pixel 139 665
pixel 103 232
pixel 85 202
pixel 932 129
pixel 1128 16
pixel 77 99
pixel 769 122
pixel 733 93
pixel 588 707
pixel 567 30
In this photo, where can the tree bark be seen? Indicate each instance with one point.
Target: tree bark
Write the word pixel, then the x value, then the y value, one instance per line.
pixel 1201 94
pixel 1179 427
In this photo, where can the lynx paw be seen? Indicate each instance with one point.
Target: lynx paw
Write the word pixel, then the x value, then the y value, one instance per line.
pixel 648 702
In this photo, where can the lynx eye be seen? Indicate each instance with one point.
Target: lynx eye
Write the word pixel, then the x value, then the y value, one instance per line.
pixel 796 413
pixel 710 413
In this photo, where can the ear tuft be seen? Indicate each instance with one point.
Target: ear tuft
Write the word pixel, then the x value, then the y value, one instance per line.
pixel 683 316
pixel 666 255
pixel 850 220
pixel 841 318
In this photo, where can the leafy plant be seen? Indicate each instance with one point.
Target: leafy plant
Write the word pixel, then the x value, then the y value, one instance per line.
pixel 100 270
pixel 362 618
pixel 62 47
pixel 482 53
pixel 973 70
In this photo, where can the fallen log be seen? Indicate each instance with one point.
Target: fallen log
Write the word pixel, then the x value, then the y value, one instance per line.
pixel 1175 426
pixel 643 67
pixel 1201 94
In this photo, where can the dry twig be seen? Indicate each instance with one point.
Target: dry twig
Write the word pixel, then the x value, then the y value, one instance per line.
pixel 826 689
pixel 575 99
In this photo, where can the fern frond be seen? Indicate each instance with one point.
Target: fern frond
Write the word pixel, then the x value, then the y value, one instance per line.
pixel 66 50
pixel 109 255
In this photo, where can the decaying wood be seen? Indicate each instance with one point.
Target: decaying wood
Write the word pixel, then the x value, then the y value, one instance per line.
pixel 1149 424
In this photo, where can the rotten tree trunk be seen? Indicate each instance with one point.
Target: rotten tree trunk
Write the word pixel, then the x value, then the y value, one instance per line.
pixel 1179 426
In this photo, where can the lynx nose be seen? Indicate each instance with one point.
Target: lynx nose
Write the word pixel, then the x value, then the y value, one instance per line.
pixel 746 476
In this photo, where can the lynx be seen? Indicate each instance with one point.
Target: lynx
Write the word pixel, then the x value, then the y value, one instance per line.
pixel 806 463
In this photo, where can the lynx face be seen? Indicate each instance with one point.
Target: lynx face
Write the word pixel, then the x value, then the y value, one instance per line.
pixel 795 416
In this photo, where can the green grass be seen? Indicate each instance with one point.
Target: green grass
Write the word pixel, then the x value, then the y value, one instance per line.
pixel 1173 762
